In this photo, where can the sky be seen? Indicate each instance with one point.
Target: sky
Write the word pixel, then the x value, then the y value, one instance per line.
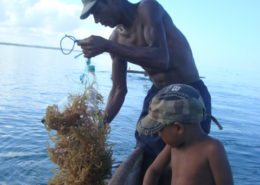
pixel 223 30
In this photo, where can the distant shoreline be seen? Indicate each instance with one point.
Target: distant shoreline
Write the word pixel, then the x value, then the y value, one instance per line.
pixel 33 46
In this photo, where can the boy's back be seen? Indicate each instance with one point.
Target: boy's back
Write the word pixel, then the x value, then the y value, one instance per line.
pixel 201 163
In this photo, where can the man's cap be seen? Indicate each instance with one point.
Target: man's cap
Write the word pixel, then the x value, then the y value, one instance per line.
pixel 87 5
pixel 174 103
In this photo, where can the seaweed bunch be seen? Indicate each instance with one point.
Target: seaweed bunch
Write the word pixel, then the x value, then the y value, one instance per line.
pixel 80 149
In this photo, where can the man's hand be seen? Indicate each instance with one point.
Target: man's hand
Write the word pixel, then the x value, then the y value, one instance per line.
pixel 93 46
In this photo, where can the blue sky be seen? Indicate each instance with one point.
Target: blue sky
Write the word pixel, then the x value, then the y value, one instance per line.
pixel 218 31
pixel 227 30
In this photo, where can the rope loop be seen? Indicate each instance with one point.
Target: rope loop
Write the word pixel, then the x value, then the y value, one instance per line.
pixel 68 51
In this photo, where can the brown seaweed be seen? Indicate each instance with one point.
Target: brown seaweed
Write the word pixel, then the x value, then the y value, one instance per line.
pixel 80 150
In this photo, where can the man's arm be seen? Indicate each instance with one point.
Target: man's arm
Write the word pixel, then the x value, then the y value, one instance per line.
pixel 219 164
pixel 155 170
pixel 119 89
pixel 154 55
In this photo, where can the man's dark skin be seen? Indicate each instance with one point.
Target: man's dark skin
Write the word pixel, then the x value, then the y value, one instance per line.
pixel 145 35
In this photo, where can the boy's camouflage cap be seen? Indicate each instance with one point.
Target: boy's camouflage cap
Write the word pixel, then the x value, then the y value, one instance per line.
pixel 174 103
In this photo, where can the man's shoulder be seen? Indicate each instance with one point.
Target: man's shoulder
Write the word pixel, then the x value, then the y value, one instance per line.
pixel 148 3
pixel 146 6
pixel 114 35
pixel 150 12
pixel 117 34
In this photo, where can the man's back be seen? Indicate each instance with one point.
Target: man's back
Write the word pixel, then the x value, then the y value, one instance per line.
pixel 181 66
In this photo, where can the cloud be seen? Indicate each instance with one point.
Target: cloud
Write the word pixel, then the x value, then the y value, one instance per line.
pixel 44 21
pixel 53 15
pixel 3 15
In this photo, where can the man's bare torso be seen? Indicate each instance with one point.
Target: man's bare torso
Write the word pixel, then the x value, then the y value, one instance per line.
pixel 181 68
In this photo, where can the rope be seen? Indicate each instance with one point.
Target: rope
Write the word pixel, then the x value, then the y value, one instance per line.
pixel 89 69
pixel 69 51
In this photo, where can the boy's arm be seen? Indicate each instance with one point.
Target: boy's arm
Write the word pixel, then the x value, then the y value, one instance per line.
pixel 219 164
pixel 153 173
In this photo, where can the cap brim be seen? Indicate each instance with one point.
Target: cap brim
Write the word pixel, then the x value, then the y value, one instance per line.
pixel 86 10
pixel 148 126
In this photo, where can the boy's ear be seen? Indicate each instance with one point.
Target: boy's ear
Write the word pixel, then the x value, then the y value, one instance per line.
pixel 179 127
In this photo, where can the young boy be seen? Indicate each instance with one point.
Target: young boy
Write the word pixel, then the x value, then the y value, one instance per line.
pixel 195 158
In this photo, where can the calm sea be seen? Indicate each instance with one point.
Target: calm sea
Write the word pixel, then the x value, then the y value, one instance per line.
pixel 32 79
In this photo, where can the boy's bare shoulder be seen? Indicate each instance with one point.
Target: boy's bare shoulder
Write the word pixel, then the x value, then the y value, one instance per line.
pixel 213 145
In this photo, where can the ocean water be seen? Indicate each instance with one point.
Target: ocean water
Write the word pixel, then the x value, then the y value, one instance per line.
pixel 32 79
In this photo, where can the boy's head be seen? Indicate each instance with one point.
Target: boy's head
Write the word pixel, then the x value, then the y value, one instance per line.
pixel 171 109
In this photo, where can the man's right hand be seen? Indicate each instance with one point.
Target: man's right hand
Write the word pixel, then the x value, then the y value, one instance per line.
pixel 93 46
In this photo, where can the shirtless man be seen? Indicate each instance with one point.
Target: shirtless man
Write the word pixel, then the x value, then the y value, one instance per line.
pixel 195 158
pixel 145 35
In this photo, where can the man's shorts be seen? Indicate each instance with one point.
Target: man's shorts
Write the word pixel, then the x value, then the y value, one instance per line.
pixel 153 145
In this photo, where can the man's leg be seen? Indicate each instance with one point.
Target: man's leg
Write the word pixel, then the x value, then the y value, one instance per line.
pixel 152 144
pixel 201 87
